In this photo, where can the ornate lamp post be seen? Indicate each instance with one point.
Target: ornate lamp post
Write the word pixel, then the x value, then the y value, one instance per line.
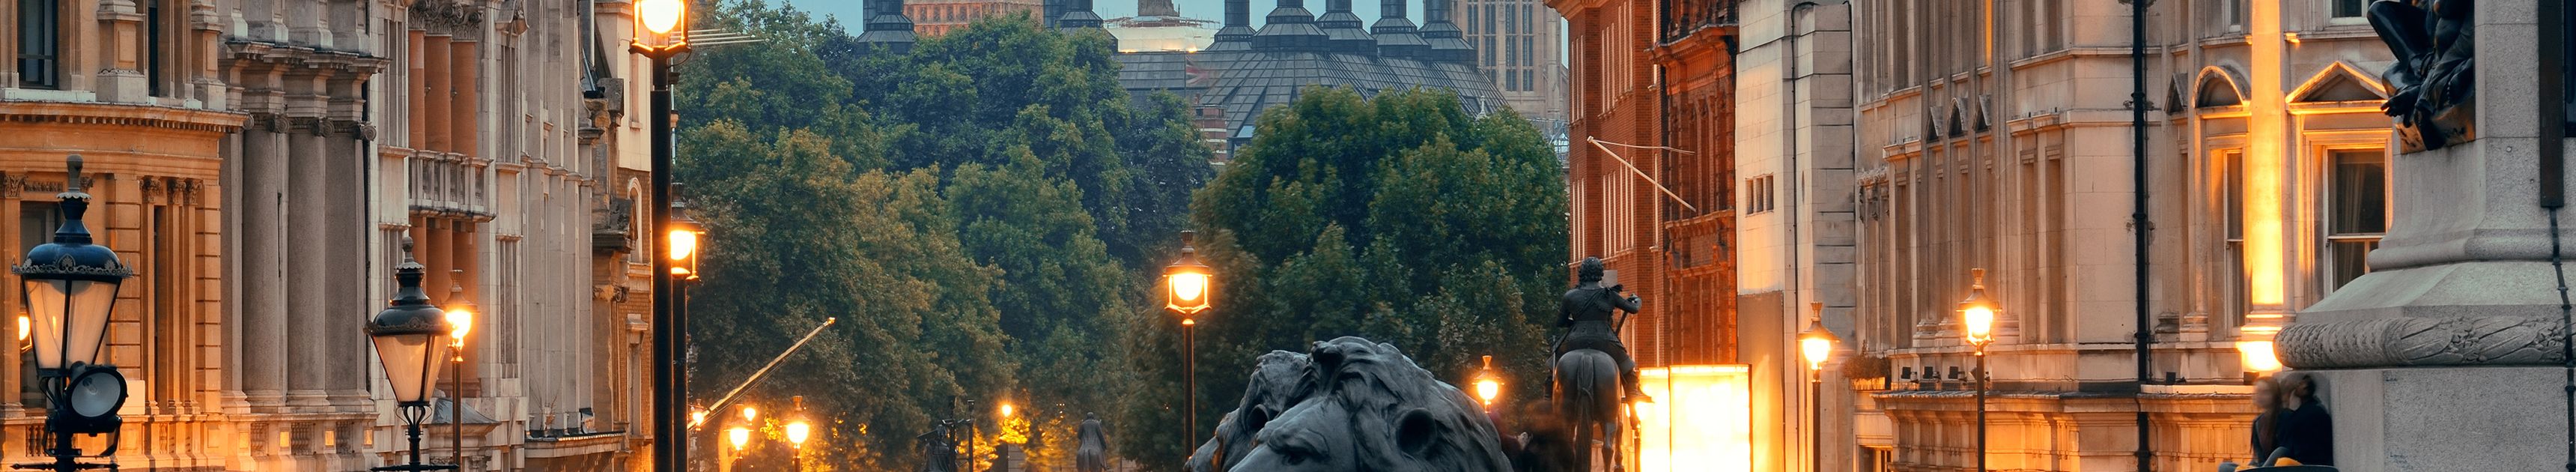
pixel 661 32
pixel 1817 346
pixel 740 436
pixel 406 337
pixel 1977 316
pixel 1488 385
pixel 798 428
pixel 1186 283
pixel 69 287
pixel 460 322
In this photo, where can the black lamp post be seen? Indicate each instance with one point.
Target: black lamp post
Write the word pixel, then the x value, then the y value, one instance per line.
pixel 1817 346
pixel 70 287
pixel 406 335
pixel 661 32
pixel 1186 284
pixel 1977 316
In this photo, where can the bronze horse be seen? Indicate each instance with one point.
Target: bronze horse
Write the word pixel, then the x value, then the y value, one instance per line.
pixel 1587 395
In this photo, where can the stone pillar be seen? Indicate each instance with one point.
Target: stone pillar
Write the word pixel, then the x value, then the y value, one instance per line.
pixel 418 83
pixel 263 304
pixel 2462 302
pixel 438 96
pixel 347 237
pixel 308 269
pixel 465 103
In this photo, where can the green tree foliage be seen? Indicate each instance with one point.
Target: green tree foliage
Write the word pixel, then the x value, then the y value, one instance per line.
pixel 1397 217
pixel 979 214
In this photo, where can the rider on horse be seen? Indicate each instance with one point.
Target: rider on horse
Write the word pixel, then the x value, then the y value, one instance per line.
pixel 1587 309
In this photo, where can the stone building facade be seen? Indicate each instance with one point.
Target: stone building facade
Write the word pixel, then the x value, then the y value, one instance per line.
pixel 258 162
pixel 1997 136
pixel 1518 42
pixel 931 18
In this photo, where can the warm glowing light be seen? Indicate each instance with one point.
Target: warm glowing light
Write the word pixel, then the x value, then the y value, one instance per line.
pixel 1487 385
pixel 797 431
pixel 1006 409
pixel 460 322
pixel 750 414
pixel 1704 421
pixel 1977 313
pixel 684 243
pixel 1817 349
pixel 2258 356
pixel 661 16
pixel 1187 287
pixel 740 436
pixel 697 417
pixel 24 328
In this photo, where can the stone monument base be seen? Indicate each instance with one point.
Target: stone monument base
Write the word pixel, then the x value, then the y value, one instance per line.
pixel 2449 418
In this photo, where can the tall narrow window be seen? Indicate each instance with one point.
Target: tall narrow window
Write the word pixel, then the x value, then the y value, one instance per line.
pixel 152 47
pixel 167 325
pixel 40 43
pixel 2231 165
pixel 2348 8
pixel 2356 211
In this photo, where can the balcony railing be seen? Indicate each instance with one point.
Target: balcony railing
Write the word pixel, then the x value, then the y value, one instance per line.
pixel 1684 17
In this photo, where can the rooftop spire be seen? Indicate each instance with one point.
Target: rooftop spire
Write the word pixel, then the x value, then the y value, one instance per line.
pixel 1078 15
pixel 1395 35
pixel 888 27
pixel 1342 31
pixel 1237 35
pixel 1290 27
pixel 1446 41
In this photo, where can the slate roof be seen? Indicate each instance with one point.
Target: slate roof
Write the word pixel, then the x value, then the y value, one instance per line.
pixel 1241 83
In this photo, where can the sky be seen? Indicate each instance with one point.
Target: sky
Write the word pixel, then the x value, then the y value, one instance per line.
pixel 1214 10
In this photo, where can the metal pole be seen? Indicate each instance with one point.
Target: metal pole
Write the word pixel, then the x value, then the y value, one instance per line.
pixel 1981 409
pixel 456 404
pixel 670 424
pixel 1816 401
pixel 1190 384
pixel 2141 234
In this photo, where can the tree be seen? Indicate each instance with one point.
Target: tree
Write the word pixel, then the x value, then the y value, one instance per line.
pixel 1398 217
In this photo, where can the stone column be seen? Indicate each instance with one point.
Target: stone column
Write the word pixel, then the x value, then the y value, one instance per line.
pixel 465 102
pixel 437 95
pixel 418 84
pixel 263 306
pixel 309 270
pixel 347 237
pixel 2462 302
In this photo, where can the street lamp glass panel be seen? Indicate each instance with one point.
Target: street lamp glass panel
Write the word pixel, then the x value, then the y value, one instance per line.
pixel 1188 288
pixel 411 363
pixel 740 436
pixel 684 243
pixel 1487 389
pixel 1006 410
pixel 750 414
pixel 1817 350
pixel 69 319
pixel 661 16
pixel 797 431
pixel 460 322
pixel 24 327
pixel 1980 322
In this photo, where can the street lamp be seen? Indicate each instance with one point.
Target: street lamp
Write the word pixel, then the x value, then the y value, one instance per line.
pixel 740 436
pixel 685 235
pixel 1977 314
pixel 406 336
pixel 797 430
pixel 1817 345
pixel 460 322
pixel 1488 386
pixel 1186 292
pixel 69 287
pixel 661 32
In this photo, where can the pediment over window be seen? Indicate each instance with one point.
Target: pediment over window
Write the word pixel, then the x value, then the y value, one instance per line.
pixel 2339 82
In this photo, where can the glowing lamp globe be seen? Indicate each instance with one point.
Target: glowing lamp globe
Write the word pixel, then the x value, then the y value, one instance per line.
pixel 1186 281
pixel 1977 313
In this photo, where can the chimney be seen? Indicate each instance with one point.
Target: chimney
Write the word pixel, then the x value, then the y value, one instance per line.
pixel 1237 35
pixel 888 27
pixel 1446 42
pixel 1395 35
pixel 1290 28
pixel 1342 33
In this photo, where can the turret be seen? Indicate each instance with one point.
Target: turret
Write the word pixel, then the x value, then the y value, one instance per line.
pixel 1395 35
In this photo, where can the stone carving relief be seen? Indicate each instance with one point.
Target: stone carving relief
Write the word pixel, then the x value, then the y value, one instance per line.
pixel 2436 100
pixel 2398 342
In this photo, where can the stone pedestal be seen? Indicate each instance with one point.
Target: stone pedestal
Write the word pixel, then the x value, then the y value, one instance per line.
pixel 2470 418
pixel 2448 356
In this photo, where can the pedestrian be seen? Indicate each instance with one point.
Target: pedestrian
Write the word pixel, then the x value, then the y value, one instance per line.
pixel 2265 430
pixel 2306 429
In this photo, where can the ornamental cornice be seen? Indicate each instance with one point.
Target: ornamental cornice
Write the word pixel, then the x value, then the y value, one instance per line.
pixel 448 14
pixel 2422 341
pixel 263 52
pixel 16 113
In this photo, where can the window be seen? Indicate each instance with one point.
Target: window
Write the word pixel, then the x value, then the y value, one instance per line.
pixel 1757 195
pixel 152 26
pixel 39 43
pixel 2347 8
pixel 2356 211
pixel 2231 164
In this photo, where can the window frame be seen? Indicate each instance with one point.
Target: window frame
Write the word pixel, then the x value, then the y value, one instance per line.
pixel 30 15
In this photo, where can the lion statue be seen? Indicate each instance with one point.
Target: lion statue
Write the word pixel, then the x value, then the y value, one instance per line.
pixel 1278 382
pixel 1367 407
